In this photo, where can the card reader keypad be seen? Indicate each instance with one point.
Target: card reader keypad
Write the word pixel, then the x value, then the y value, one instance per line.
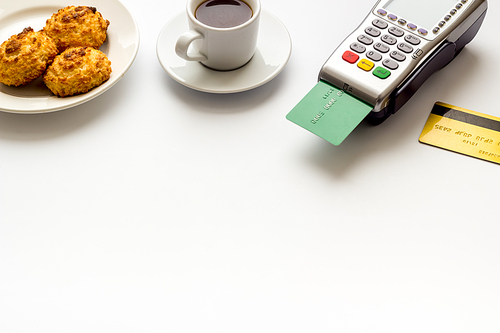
pixel 390 48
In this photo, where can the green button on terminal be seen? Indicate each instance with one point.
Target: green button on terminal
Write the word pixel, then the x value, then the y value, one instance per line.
pixel 381 73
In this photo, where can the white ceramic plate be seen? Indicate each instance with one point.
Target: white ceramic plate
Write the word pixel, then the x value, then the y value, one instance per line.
pixel 121 47
pixel 274 48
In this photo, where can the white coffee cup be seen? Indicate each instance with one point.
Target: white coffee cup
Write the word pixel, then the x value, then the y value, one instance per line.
pixel 219 48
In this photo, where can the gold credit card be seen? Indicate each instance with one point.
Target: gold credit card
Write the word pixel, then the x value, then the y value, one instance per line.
pixel 463 131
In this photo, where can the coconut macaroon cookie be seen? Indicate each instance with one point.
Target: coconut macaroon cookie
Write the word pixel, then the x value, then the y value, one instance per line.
pixel 76 71
pixel 77 26
pixel 25 56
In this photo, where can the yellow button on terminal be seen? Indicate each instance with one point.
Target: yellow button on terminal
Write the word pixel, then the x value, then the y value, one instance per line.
pixel 366 65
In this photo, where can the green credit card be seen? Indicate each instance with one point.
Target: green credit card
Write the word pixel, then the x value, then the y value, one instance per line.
pixel 329 112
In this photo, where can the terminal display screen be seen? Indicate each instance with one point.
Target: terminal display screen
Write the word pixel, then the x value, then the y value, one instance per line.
pixel 424 13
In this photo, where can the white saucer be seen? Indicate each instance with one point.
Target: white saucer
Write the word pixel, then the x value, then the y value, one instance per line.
pixel 274 47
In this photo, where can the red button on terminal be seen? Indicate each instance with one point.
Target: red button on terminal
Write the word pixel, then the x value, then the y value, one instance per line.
pixel 350 57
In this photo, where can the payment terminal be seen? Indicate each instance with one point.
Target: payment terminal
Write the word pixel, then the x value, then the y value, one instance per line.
pixel 379 67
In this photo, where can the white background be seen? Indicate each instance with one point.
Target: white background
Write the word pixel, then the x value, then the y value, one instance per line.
pixel 156 208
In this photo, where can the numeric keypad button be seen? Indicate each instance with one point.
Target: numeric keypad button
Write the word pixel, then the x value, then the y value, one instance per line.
pixel 412 39
pixel 381 47
pixel 405 48
pixel 374 56
pixel 374 32
pixel 365 40
pixel 390 64
pixel 396 32
pixel 357 47
pixel 398 56
pixel 381 24
pixel 389 39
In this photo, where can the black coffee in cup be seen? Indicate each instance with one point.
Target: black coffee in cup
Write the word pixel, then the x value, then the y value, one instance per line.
pixel 223 13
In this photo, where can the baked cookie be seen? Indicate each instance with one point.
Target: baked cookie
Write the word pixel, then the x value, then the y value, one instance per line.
pixel 25 56
pixel 76 71
pixel 74 26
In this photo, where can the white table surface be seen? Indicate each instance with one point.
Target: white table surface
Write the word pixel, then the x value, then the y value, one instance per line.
pixel 156 208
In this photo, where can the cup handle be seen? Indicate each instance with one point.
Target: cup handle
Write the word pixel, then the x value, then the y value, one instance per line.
pixel 182 45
